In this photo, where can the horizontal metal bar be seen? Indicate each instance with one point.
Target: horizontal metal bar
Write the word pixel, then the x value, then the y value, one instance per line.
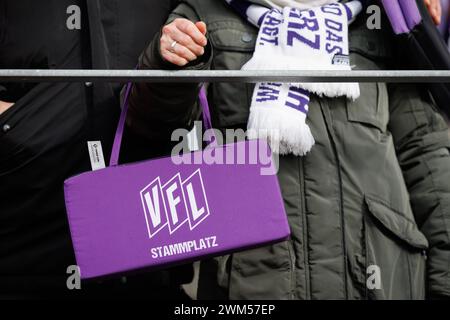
pixel 404 76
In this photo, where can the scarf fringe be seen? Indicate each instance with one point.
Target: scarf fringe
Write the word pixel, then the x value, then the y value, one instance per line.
pixel 285 130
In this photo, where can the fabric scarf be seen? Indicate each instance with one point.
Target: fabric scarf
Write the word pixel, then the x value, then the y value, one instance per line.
pixel 294 39
pixel 299 4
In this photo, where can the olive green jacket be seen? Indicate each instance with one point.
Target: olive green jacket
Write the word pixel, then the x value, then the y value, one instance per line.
pixel 369 207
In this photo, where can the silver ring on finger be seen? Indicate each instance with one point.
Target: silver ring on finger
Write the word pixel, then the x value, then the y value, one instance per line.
pixel 172 46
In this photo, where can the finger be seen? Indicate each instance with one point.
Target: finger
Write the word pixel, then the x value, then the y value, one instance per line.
pixel 174 59
pixel 201 26
pixel 180 50
pixel 429 6
pixel 438 11
pixel 5 106
pixel 186 41
pixel 191 30
pixel 433 7
pixel 183 52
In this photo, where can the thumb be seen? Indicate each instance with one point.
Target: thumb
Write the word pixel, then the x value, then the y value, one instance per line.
pixel 201 27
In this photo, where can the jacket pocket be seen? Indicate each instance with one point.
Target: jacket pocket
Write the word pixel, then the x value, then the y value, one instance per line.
pixel 37 123
pixel 395 257
pixel 10 142
pixel 263 273
pixel 234 44
pixel 371 108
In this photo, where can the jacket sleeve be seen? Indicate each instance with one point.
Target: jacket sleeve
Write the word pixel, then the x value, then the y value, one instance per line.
pixel 156 109
pixel 422 142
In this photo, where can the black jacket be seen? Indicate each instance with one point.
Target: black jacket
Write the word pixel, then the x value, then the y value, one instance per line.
pixel 43 137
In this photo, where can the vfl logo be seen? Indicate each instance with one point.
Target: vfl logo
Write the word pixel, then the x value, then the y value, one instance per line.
pixel 174 203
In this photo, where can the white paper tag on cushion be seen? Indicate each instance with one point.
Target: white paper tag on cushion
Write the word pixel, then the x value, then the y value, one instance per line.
pixel 96 155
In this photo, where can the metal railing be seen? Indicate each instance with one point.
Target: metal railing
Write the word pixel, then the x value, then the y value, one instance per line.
pixel 403 76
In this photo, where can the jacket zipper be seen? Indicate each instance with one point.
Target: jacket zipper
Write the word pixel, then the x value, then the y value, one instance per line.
pixel 329 124
pixel 305 229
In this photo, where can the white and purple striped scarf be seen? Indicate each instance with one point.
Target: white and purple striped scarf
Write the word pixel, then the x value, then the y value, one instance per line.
pixel 294 39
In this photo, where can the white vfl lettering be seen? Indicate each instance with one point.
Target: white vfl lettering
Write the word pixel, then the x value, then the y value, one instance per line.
pixel 153 207
pixel 175 203
pixel 196 213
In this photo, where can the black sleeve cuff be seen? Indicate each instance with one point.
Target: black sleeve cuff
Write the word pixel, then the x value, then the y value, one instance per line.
pixel 2 92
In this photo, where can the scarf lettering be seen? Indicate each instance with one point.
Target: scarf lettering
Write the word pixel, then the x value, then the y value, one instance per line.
pixel 334 29
pixel 268 92
pixel 270 31
pixel 298 99
pixel 300 22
